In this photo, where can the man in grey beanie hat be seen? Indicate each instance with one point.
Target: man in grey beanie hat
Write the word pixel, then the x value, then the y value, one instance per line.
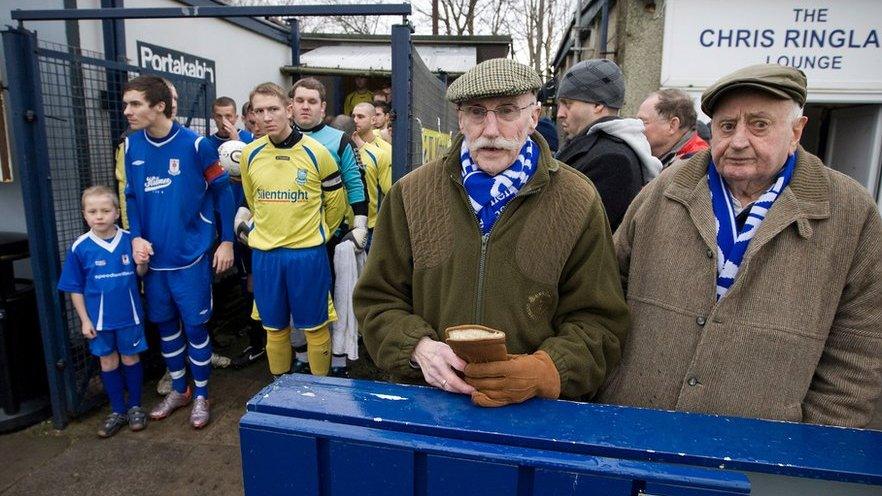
pixel 613 152
pixel 498 234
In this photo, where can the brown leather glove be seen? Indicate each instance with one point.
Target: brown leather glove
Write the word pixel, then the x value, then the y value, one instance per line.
pixel 515 380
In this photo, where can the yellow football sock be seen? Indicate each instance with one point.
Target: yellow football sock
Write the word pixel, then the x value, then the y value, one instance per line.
pixel 278 350
pixel 318 348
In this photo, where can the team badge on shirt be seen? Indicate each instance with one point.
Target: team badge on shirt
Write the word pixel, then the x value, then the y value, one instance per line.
pixel 125 259
pixel 174 166
pixel 301 176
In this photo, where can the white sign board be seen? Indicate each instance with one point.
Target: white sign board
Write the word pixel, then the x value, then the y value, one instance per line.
pixel 838 44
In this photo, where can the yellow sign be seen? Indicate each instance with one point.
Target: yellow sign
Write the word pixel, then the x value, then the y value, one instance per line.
pixel 435 144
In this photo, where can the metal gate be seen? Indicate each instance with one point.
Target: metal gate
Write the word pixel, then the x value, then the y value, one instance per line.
pixel 65 119
pixel 70 101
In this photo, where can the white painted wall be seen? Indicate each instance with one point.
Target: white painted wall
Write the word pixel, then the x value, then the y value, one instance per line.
pixel 243 59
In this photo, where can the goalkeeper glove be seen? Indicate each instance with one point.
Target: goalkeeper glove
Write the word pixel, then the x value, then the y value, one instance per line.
pixel 359 233
pixel 243 223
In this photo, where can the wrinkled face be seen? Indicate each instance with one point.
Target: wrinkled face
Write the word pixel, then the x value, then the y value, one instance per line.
pixel 273 114
pixel 139 112
pixel 309 109
pixel 657 129
pixel 363 115
pixel 752 135
pixel 221 114
pixel 574 116
pixel 100 212
pixel 380 118
pixel 494 142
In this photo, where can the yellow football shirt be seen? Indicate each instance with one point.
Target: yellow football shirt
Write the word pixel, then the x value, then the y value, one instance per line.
pixel 296 194
pixel 377 175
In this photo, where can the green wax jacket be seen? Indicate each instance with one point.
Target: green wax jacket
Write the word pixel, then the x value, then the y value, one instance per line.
pixel 546 274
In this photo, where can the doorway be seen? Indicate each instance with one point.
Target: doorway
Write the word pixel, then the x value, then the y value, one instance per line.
pixel 848 137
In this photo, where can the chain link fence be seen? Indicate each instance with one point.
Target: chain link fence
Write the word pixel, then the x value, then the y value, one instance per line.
pixel 434 118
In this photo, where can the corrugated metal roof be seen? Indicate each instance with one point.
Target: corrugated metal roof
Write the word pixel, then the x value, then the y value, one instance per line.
pixel 370 57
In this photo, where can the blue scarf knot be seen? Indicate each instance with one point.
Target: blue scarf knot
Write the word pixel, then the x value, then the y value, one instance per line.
pixel 488 194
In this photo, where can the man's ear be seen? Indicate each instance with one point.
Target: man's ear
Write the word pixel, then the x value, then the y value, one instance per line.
pixel 534 117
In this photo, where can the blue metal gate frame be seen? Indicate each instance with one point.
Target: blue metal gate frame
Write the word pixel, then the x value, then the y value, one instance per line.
pixel 29 139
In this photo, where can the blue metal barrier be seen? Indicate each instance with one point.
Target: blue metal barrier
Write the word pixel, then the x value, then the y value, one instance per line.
pixel 335 436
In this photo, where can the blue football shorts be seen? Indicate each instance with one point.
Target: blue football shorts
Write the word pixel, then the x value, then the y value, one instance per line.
pixel 292 285
pixel 185 292
pixel 126 340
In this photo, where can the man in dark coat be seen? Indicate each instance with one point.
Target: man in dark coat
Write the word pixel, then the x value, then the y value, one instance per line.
pixel 610 150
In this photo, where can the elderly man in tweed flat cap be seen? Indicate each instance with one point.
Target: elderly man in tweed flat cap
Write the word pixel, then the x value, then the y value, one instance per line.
pixel 496 233
pixel 753 272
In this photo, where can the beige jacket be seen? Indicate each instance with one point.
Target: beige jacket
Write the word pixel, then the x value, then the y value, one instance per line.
pixel 798 336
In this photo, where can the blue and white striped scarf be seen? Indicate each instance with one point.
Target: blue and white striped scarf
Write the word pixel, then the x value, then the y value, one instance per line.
pixel 490 194
pixel 732 243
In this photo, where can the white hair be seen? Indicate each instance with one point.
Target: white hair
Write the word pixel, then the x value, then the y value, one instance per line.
pixel 795 112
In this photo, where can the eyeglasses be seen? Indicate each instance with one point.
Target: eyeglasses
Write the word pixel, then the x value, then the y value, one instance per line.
pixel 508 113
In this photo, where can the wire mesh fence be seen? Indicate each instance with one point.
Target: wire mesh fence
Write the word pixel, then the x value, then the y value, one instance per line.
pixel 433 116
pixel 80 104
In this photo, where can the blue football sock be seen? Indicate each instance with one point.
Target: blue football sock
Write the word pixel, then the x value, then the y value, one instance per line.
pixel 199 350
pixel 113 385
pixel 174 349
pixel 134 375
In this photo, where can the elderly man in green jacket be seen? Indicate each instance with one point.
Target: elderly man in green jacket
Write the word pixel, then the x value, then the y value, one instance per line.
pixel 753 272
pixel 496 233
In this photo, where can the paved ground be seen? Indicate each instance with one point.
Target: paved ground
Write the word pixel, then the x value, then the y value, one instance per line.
pixel 167 458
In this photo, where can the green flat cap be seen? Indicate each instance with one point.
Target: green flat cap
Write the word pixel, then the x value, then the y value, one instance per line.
pixel 492 78
pixel 777 80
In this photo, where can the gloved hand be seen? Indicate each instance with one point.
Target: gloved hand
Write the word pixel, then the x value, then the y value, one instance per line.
pixel 515 380
pixel 359 233
pixel 243 223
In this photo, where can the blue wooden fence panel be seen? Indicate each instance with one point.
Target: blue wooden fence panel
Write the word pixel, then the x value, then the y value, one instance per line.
pixel 798 450
pixel 334 436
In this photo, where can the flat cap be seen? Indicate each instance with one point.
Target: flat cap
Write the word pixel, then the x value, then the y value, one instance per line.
pixel 492 78
pixel 777 80
pixel 594 81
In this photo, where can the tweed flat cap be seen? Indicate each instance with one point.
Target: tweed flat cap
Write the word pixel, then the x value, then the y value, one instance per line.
pixel 492 78
pixel 777 80
pixel 595 81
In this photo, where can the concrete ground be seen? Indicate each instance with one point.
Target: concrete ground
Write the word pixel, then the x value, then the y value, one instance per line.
pixel 167 458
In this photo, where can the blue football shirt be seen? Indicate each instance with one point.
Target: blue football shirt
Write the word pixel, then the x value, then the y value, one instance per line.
pixel 103 271
pixel 169 188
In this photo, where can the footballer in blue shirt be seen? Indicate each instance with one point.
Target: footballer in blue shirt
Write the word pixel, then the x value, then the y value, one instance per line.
pixel 173 185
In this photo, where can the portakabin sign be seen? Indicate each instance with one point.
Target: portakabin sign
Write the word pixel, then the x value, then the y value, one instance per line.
pixel 161 59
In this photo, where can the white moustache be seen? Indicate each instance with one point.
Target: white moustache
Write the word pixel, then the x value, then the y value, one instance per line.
pixel 498 142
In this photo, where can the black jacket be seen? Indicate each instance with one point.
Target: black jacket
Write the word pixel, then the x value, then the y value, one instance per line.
pixel 611 165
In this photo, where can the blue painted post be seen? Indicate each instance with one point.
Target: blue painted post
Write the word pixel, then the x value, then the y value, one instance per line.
pixel 29 147
pixel 401 96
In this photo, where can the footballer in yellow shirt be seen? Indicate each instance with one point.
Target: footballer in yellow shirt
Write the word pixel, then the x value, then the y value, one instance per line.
pixel 296 195
pixel 376 156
